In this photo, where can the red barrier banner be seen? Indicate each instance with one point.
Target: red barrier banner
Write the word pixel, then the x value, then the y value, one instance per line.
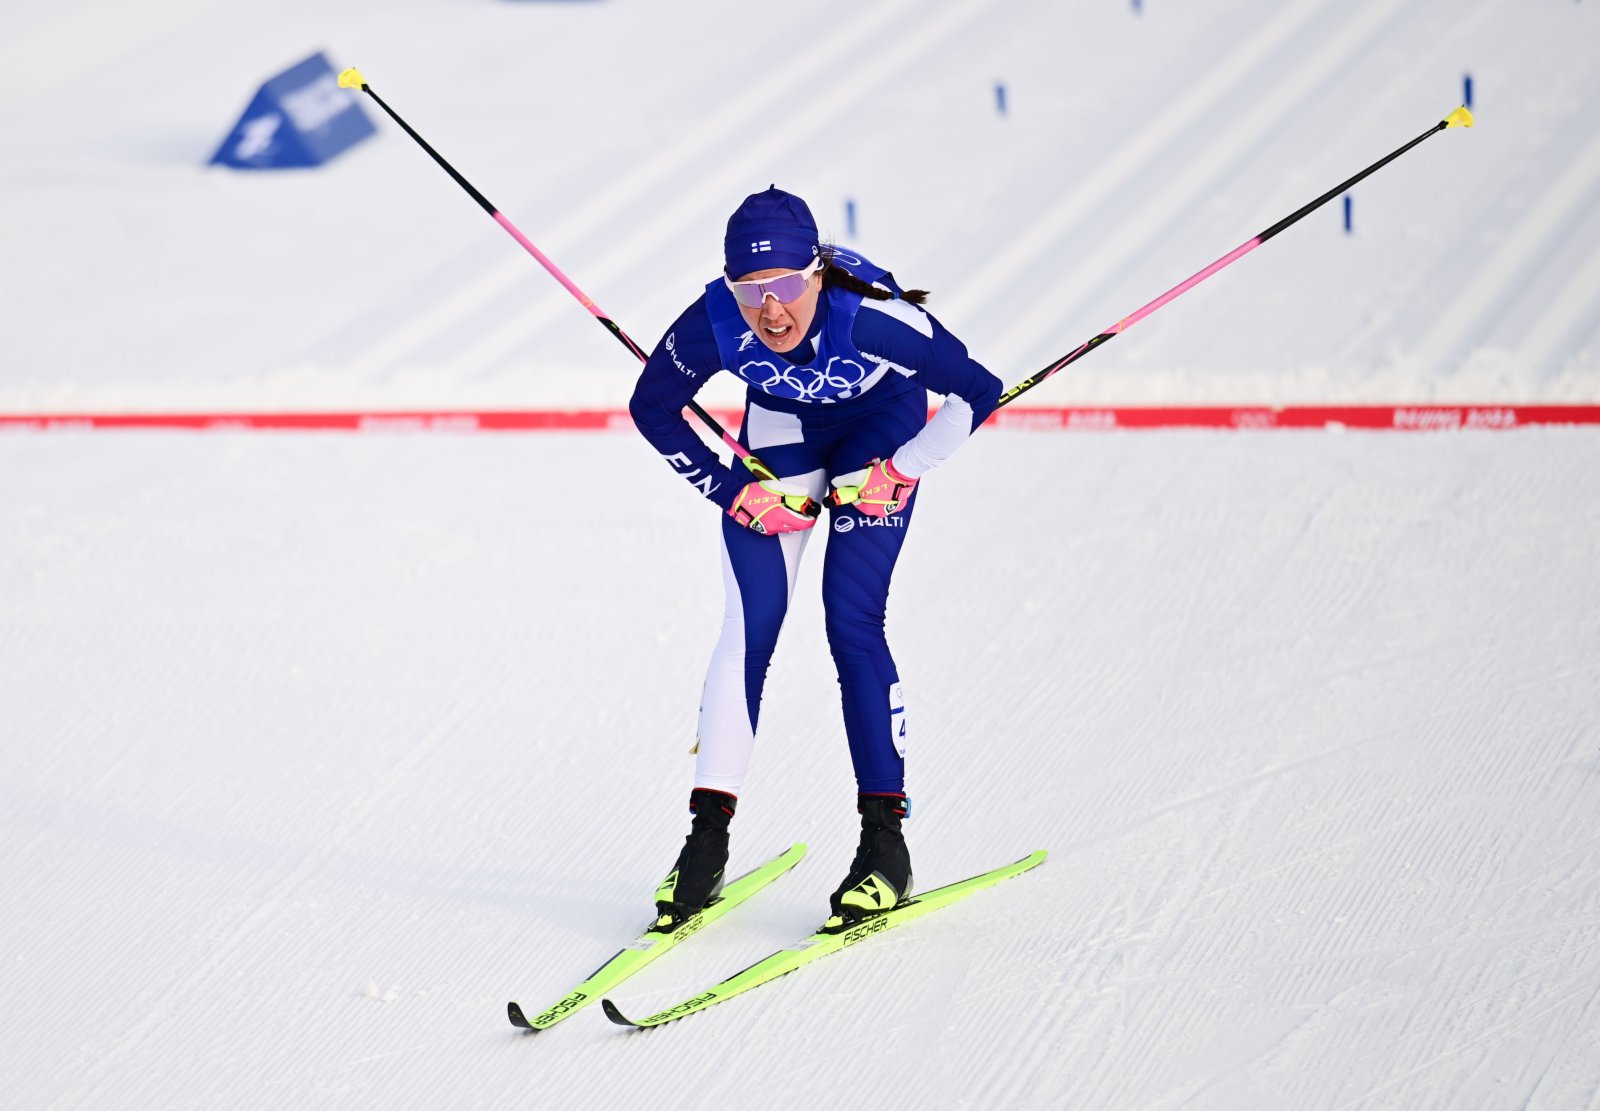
pixel 1092 418
pixel 435 420
pixel 1402 418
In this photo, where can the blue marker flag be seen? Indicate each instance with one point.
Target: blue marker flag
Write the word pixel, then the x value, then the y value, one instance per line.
pixel 299 118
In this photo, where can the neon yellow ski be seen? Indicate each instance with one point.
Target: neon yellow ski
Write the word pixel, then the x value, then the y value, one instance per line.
pixel 652 943
pixel 822 943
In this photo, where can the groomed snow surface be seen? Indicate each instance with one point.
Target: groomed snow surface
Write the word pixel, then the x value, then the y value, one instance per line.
pixel 315 749
pixel 321 748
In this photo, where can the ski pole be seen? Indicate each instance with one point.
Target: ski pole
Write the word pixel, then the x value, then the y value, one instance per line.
pixel 1459 118
pixel 352 79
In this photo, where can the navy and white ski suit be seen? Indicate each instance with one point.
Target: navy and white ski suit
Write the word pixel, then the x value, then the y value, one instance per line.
pixel 856 389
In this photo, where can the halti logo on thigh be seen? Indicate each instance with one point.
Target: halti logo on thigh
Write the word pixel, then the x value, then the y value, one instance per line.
pixel 845 522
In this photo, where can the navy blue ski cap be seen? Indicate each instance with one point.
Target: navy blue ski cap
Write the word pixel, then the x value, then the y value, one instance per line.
pixel 771 230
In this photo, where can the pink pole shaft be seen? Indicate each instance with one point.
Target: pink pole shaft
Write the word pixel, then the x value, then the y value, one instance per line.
pixel 1128 321
pixel 750 460
pixel 583 298
pixel 1231 257
pixel 555 271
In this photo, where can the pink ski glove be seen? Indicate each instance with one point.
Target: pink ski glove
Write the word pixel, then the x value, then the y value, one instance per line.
pixel 767 508
pixel 877 491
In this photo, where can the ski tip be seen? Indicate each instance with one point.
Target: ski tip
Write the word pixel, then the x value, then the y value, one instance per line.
pixel 615 1015
pixel 518 1019
pixel 1027 863
pixel 1459 118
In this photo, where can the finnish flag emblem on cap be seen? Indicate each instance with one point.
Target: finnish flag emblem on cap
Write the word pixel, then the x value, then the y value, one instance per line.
pixel 771 230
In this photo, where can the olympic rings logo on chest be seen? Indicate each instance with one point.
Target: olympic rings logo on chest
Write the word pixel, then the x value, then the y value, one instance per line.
pixel 837 381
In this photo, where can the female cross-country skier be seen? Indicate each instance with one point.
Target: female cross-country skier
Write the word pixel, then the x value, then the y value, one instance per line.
pixel 839 361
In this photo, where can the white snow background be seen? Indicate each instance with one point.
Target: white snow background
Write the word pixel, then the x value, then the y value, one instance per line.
pixel 315 749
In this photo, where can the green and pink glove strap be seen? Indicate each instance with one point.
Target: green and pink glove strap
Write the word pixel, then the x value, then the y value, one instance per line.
pixel 877 490
pixel 766 508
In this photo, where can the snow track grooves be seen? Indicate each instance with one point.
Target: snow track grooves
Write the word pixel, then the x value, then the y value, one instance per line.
pixel 1411 829
pixel 1468 316
pixel 720 155
pixel 1121 168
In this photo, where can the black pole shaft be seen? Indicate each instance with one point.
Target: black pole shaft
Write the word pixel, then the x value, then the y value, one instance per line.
pixel 1347 183
pixel 433 154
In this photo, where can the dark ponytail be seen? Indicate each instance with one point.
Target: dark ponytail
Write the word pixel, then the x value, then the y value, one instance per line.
pixel 841 278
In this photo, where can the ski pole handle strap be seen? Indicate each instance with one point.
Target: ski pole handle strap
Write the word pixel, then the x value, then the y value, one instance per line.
pixel 876 490
pixel 766 508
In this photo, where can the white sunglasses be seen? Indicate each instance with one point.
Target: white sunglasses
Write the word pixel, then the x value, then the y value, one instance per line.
pixel 785 288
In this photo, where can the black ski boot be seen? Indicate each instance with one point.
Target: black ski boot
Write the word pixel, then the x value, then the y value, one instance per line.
pixel 697 877
pixel 880 875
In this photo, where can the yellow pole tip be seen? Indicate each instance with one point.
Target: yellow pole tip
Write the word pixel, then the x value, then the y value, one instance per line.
pixel 352 79
pixel 1459 118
